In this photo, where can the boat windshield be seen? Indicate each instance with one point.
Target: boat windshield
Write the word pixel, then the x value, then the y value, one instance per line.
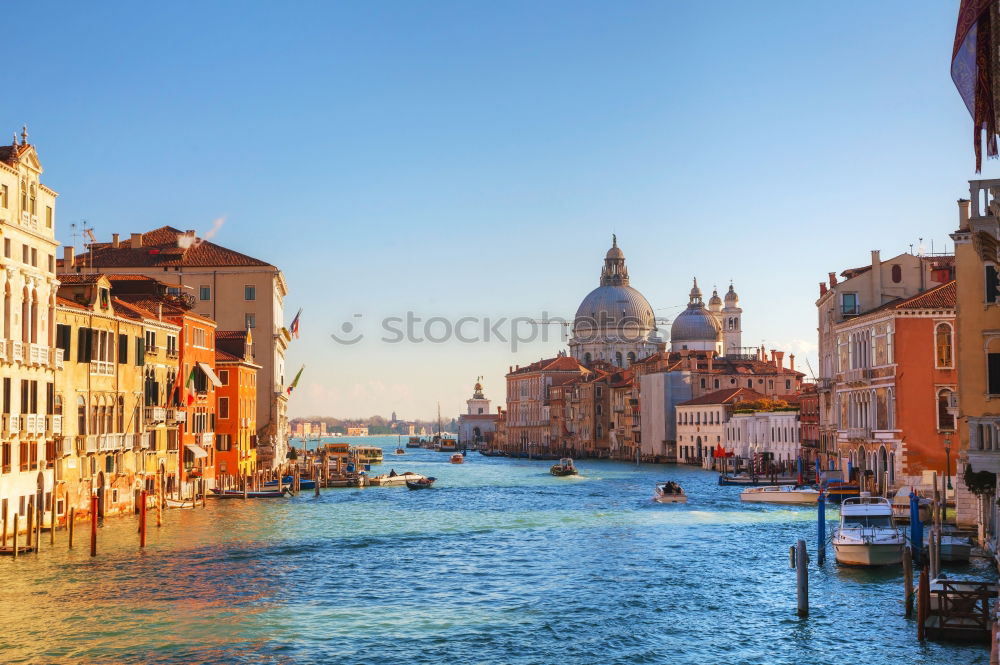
pixel 867 521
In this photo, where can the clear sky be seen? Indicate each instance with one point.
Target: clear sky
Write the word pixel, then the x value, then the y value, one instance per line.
pixel 472 159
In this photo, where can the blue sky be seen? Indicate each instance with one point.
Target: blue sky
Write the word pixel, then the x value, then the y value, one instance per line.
pixel 472 159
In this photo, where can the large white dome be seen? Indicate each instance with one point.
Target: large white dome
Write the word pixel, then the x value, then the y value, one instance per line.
pixel 610 307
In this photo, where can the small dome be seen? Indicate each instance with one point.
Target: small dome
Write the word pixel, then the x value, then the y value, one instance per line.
pixel 695 291
pixel 715 299
pixel 615 253
pixel 695 324
pixel 731 295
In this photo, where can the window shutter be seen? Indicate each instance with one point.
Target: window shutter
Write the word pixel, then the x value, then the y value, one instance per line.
pixel 994 370
pixel 991 284
pixel 140 351
pixel 90 345
pixel 81 345
pixel 122 349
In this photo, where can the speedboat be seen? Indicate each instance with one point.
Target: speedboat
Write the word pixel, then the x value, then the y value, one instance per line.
pixel 953 548
pixel 400 451
pixel 457 458
pixel 868 535
pixel 901 504
pixel 780 494
pixel 392 478
pixel 565 467
pixel 422 484
pixel 669 492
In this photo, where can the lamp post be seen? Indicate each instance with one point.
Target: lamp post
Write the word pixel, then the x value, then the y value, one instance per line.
pixel 947 452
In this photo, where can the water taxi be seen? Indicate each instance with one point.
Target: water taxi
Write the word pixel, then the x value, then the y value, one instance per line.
pixel 669 492
pixel 423 484
pixel 367 454
pixel 414 442
pixel 868 535
pixel 780 494
pixel 392 479
pixel 448 445
pixel 457 458
pixel 565 467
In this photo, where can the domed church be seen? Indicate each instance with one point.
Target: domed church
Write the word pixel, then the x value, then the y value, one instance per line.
pixel 715 328
pixel 615 322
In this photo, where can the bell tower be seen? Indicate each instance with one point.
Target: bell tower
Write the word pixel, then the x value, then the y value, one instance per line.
pixel 732 323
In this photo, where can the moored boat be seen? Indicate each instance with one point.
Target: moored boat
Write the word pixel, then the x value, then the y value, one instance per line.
pixel 901 504
pixel 367 454
pixel 868 535
pixel 565 467
pixel 414 442
pixel 286 481
pixel 179 503
pixel 754 481
pixel 780 494
pixel 457 458
pixel 954 549
pixel 669 492
pixel 837 491
pixel 423 484
pixel 238 494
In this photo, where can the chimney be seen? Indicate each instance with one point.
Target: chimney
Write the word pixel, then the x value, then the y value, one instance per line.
pixel 779 358
pixel 877 276
pixel 964 206
pixel 68 257
pixel 114 240
pixel 772 357
pixel 833 279
pixel 822 289
pixel 791 361
pixel 136 241
pixel 711 361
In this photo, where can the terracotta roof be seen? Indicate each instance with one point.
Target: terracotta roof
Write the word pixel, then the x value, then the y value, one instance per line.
pixel 226 357
pixel 131 310
pixel 63 302
pixel 940 297
pixel 557 364
pixel 727 396
pixel 10 153
pixel 854 272
pixel 233 342
pixel 78 278
pixel 160 248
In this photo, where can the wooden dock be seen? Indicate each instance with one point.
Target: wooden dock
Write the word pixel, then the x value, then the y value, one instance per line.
pixel 957 610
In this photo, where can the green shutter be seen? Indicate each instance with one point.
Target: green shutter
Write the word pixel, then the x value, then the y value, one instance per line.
pixel 140 351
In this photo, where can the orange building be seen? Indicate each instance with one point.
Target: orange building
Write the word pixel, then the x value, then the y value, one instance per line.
pixel 236 421
pixel 896 387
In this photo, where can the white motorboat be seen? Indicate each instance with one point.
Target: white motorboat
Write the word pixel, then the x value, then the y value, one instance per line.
pixel 669 492
pixel 392 479
pixel 780 494
pixel 868 535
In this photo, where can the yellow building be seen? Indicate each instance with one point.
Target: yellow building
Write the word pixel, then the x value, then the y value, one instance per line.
pixel 117 443
pixel 978 343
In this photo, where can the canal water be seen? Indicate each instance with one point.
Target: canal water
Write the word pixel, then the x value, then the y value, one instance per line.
pixel 500 563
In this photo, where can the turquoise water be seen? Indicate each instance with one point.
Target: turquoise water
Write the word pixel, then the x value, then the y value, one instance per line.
pixel 500 563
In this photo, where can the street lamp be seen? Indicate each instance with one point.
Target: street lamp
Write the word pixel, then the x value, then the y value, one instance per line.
pixel 947 452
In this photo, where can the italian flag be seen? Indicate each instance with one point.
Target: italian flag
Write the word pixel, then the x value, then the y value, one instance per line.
pixel 189 386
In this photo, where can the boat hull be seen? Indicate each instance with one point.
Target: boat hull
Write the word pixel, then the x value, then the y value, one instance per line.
pixel 861 554
pixel 671 498
pixel 792 497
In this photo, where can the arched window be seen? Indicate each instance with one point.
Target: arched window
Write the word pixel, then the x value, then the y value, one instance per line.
pixel 943 345
pixel 716 384
pixel 946 421
pixel 618 359
pixel 631 358
pixel 586 358
pixel 897 274
pixel 81 415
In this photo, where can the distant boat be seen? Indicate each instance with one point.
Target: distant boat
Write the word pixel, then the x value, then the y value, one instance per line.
pixel 669 492
pixel 492 453
pixel 393 478
pixel 565 467
pixel 414 442
pixel 304 483
pixel 754 481
pixel 423 484
pixel 457 458
pixel 179 503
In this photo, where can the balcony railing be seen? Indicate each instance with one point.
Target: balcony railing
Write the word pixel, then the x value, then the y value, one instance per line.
pixel 155 414
pixel 102 367
pixel 208 439
pixel 16 351
pixel 87 443
pixel 857 433
pixel 145 440
pixel 860 375
pixel 55 424
pixel 108 442
pixel 38 354
pixel 65 444
pixel 3 351
pixel 176 415
pixel 58 356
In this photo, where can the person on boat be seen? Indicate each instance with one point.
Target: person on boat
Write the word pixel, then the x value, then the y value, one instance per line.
pixel 392 472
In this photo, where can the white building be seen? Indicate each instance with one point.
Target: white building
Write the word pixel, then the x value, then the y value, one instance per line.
pixel 772 435
pixel 27 355
pixel 477 425
pixel 701 422
pixel 659 394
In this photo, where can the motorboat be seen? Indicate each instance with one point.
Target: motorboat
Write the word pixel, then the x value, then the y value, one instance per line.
pixel 954 549
pixel 492 453
pixel 901 504
pixel 448 445
pixel 780 494
pixel 414 442
pixel 400 451
pixel 837 491
pixel 288 481
pixel 394 479
pixel 457 458
pixel 868 535
pixel 669 492
pixel 744 480
pixel 422 484
pixel 179 503
pixel 565 467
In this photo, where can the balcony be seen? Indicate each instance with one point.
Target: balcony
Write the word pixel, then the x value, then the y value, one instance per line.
pixel 58 358
pixel 102 368
pixel 862 375
pixel 65 445
pixel 55 425
pixel 207 439
pixel 155 414
pixel 38 354
pixel 87 443
pixel 110 442
pixel 172 352
pixel 145 440
pixel 852 433
pixel 176 416
pixel 3 351
pixel 16 351
pixel 152 350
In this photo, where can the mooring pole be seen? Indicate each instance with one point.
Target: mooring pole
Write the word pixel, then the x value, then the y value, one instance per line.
pixel 916 537
pixel 802 578
pixel 821 528
pixel 908 580
pixel 93 526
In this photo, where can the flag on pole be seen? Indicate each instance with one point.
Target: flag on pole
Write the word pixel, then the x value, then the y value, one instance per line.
pixel 294 328
pixel 189 386
pixel 975 69
pixel 295 381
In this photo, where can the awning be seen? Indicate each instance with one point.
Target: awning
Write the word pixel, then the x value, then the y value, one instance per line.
pixel 197 451
pixel 210 373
